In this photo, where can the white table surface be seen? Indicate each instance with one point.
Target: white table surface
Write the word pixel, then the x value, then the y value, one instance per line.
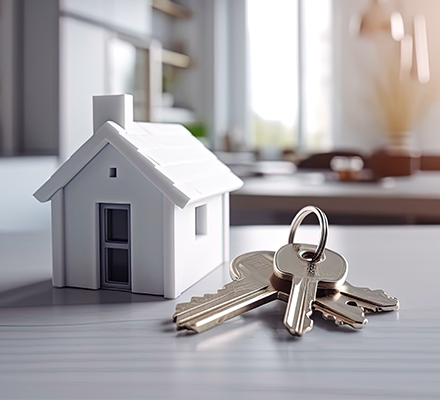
pixel 82 344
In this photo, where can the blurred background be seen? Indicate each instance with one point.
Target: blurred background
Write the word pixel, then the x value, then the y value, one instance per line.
pixel 327 102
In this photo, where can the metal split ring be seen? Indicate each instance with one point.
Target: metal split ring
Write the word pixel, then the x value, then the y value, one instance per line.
pixel 323 223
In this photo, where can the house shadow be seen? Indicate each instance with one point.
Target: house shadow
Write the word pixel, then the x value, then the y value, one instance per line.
pixel 44 294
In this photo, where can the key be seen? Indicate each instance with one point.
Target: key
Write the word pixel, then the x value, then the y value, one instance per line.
pixel 341 313
pixel 294 262
pixel 330 303
pixel 346 305
pixel 197 315
pixel 250 289
pixel 372 301
pixel 307 268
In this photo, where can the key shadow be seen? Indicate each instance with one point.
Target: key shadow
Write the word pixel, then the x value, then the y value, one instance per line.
pixel 44 294
pixel 273 318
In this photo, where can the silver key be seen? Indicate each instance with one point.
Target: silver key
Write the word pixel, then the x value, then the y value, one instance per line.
pixel 330 303
pixel 251 289
pixel 372 301
pixel 210 310
pixel 306 276
pixel 307 269
pixel 338 308
pixel 345 308
pixel 345 305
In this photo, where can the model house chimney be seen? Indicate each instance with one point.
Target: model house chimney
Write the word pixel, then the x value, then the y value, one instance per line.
pixel 116 107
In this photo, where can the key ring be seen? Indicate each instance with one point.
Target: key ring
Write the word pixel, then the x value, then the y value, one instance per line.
pixel 323 223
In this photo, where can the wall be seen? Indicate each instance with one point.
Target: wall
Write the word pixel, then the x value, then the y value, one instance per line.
pixel 196 256
pixel 20 177
pixel 29 77
pixel 84 59
pixel 11 42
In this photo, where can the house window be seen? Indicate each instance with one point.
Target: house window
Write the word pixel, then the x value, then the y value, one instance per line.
pixel 201 220
pixel 113 173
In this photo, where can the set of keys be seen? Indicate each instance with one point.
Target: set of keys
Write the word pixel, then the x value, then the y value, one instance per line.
pixel 305 277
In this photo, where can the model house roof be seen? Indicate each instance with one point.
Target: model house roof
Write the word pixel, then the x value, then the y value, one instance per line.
pixel 177 163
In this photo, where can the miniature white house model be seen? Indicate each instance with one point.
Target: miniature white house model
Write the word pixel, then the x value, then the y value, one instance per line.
pixel 139 206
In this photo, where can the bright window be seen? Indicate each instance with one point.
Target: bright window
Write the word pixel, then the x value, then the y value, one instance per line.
pixel 290 101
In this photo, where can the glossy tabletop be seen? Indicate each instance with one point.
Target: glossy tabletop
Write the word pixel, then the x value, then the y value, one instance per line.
pixel 82 344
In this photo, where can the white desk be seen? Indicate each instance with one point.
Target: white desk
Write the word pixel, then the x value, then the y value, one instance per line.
pixel 80 344
pixel 407 199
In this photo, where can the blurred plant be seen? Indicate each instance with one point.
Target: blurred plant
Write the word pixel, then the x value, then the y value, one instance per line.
pixel 403 85
pixel 403 100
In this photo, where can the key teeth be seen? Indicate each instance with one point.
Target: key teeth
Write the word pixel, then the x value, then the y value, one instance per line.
pixel 379 293
pixel 197 300
pixel 307 325
pixel 229 289
pixel 339 322
pixel 306 328
pixel 330 317
pixel 370 308
pixel 379 309
pixel 394 307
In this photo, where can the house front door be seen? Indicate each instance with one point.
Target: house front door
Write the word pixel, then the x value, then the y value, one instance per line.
pixel 115 254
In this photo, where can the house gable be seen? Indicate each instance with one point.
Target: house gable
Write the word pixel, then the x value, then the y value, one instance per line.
pixel 95 185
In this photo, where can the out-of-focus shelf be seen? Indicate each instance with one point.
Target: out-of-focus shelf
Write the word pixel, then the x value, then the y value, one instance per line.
pixel 176 115
pixel 169 57
pixel 175 59
pixel 173 9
